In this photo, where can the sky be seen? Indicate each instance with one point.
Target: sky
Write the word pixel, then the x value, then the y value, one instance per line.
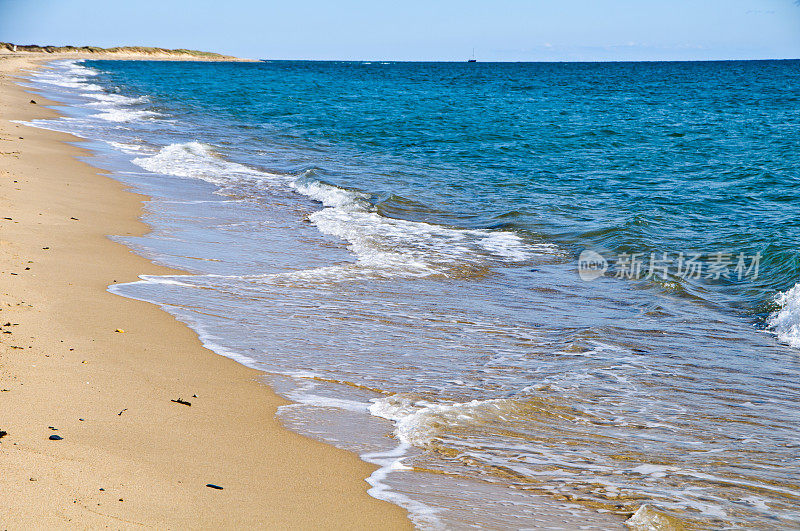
pixel 416 30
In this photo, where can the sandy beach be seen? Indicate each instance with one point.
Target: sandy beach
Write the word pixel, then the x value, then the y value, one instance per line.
pixel 103 373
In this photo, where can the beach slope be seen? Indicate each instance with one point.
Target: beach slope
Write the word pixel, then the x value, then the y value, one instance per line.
pixel 103 373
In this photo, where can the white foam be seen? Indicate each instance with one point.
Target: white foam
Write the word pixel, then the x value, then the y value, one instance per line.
pixel 419 422
pixel 126 115
pixel 648 519
pixel 197 161
pixel 332 196
pixel 304 395
pixel 68 74
pixel 786 321
pixel 109 99
pixel 119 108
pixel 169 280
pixel 326 401
pixel 510 246
pixel 383 247
pixel 407 248
pixel 113 107
pixel 422 515
pixel 64 125
pixel 126 148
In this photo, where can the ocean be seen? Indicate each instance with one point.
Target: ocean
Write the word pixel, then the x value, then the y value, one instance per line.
pixel 534 294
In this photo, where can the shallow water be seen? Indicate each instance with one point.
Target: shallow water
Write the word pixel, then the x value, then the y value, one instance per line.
pixel 396 246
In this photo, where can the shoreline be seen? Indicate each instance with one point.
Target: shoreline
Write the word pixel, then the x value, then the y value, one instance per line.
pixel 110 394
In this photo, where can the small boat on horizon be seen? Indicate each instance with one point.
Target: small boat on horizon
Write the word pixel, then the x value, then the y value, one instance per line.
pixel 472 59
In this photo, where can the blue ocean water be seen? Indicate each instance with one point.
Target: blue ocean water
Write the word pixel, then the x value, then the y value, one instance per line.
pixel 398 245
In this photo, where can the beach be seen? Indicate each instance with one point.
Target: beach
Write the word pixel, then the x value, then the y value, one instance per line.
pixel 147 416
pixel 537 295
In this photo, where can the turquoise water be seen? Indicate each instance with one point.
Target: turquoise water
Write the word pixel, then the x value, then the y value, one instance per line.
pixel 397 246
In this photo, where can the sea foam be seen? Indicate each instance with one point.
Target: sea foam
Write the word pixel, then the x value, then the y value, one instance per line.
pixel 198 161
pixel 67 74
pixel 786 321
pixel 420 422
pixel 383 247
pixel 125 115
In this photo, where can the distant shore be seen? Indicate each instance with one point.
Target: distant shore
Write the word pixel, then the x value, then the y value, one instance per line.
pixel 96 429
pixel 119 52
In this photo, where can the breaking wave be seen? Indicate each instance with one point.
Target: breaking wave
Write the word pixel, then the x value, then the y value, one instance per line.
pixel 383 246
pixel 785 322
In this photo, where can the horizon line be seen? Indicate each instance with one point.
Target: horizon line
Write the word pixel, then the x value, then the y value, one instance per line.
pixel 530 61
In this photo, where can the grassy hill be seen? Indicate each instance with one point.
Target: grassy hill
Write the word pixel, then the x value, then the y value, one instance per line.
pixel 118 50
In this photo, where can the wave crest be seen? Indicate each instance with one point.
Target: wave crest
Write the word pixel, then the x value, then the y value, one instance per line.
pixel 786 321
pixel 383 246
pixel 420 422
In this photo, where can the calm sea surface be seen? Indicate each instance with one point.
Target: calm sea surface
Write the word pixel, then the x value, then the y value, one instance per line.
pixel 536 295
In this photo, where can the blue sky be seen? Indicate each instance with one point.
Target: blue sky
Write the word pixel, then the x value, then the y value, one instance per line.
pixel 501 30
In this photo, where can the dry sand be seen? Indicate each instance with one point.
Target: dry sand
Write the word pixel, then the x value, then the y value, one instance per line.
pixel 129 456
